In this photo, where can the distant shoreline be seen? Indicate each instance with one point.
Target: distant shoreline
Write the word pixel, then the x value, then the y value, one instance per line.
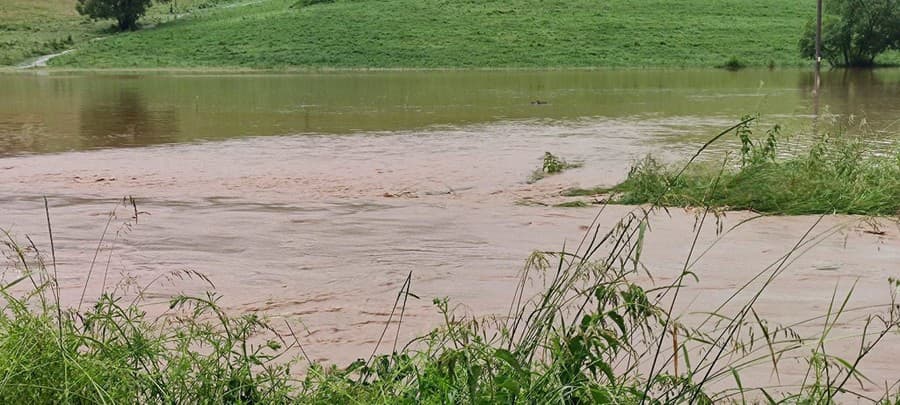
pixel 310 70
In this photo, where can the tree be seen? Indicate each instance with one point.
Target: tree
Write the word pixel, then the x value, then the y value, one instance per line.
pixel 125 12
pixel 855 32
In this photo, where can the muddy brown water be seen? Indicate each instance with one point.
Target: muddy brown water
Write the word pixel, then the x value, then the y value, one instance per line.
pixel 312 196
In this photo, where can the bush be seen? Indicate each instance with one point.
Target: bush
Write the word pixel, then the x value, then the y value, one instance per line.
pixel 732 64
pixel 305 3
pixel 126 13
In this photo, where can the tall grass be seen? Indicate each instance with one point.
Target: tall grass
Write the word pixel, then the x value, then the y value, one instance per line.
pixel 111 352
pixel 843 175
pixel 592 334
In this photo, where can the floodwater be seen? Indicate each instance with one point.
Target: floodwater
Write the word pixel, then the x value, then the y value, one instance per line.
pixel 312 196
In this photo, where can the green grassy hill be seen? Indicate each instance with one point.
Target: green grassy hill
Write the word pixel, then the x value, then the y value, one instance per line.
pixel 464 33
pixel 31 28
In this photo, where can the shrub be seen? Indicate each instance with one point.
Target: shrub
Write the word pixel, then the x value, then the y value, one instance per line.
pixel 732 64
pixel 306 3
pixel 126 13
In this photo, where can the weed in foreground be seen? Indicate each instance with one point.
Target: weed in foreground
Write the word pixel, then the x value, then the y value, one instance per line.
pixel 111 352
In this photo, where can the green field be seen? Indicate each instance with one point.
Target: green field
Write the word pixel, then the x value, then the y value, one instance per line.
pixel 464 34
pixel 280 34
pixel 31 28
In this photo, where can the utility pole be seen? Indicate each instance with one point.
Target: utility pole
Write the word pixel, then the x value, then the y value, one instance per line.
pixel 818 34
pixel 818 78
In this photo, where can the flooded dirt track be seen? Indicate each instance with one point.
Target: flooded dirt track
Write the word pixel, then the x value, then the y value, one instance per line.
pixel 312 197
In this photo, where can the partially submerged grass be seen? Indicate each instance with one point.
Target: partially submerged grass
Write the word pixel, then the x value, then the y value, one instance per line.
pixel 593 334
pixel 584 192
pixel 573 204
pixel 835 175
pixel 551 165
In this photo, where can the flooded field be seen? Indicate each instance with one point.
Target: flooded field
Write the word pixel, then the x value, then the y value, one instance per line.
pixel 312 196
pixel 64 112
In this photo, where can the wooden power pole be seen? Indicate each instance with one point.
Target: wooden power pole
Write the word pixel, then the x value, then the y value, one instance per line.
pixel 818 34
pixel 818 78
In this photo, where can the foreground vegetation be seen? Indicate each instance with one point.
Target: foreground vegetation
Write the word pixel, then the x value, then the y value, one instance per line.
pixel 592 334
pixel 834 175
pixel 465 34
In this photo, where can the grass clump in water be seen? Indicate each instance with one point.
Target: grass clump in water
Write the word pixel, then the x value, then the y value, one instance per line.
pixel 584 192
pixel 835 175
pixel 573 204
pixel 551 165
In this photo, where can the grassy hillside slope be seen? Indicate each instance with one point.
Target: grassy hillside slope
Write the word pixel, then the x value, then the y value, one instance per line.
pixel 31 28
pixel 464 33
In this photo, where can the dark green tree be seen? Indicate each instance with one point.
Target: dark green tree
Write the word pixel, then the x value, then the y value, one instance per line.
pixel 125 12
pixel 855 32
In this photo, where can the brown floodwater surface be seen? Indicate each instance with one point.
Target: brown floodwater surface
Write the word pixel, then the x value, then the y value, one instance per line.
pixel 312 196
pixel 42 113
